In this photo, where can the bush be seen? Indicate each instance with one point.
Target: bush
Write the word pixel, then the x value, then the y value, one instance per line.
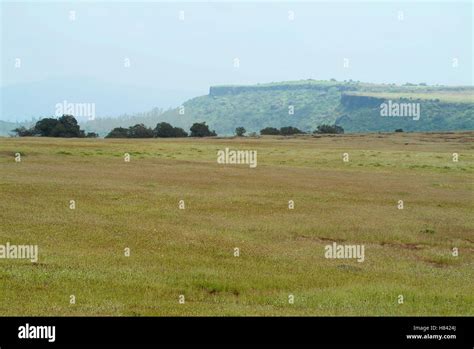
pixel 270 131
pixel 240 131
pixel 140 131
pixel 65 126
pixel 68 127
pixel 329 129
pixel 118 132
pixel 399 130
pixel 162 129
pixel 179 132
pixel 165 130
pixel 45 127
pixel 201 130
pixel 289 130
pixel 23 132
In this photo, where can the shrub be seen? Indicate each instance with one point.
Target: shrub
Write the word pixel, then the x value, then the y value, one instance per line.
pixel 68 127
pixel 23 132
pixel 179 132
pixel 65 126
pixel 201 130
pixel 289 130
pixel 333 129
pixel 45 127
pixel 270 131
pixel 240 131
pixel 140 131
pixel 118 132
pixel 165 130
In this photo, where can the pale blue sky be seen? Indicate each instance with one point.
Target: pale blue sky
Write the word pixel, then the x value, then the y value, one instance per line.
pixel 183 58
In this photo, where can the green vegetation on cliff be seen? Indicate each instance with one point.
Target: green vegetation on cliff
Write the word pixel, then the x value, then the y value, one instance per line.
pixel 309 103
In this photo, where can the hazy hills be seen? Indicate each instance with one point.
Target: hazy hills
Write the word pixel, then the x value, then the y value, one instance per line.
pixel 24 101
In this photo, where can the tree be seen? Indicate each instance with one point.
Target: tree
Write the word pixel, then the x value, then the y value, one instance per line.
pixel 290 130
pixel 91 135
pixel 332 129
pixel 269 131
pixel 201 130
pixel 179 132
pixel 140 131
pixel 44 127
pixel 67 127
pixel 240 131
pixel 59 131
pixel 164 130
pixel 118 132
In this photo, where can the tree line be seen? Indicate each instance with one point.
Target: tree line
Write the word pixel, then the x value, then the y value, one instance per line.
pixel 67 126
pixel 289 130
pixel 162 130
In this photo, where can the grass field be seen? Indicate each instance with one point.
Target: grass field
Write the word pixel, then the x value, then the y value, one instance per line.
pixel 190 252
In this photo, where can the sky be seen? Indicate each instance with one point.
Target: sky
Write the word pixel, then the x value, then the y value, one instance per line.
pixel 131 56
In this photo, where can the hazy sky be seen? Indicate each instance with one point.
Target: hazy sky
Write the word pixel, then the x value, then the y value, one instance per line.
pixel 187 56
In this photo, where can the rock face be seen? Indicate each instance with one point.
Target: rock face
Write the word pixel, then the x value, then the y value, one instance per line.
pixel 354 101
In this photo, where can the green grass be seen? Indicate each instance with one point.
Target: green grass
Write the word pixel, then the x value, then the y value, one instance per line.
pixel 135 205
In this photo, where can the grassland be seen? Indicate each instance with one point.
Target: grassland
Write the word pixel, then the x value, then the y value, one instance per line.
pixel 191 252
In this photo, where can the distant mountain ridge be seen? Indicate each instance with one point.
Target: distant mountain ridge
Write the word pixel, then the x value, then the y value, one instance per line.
pixel 308 103
pixel 305 104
